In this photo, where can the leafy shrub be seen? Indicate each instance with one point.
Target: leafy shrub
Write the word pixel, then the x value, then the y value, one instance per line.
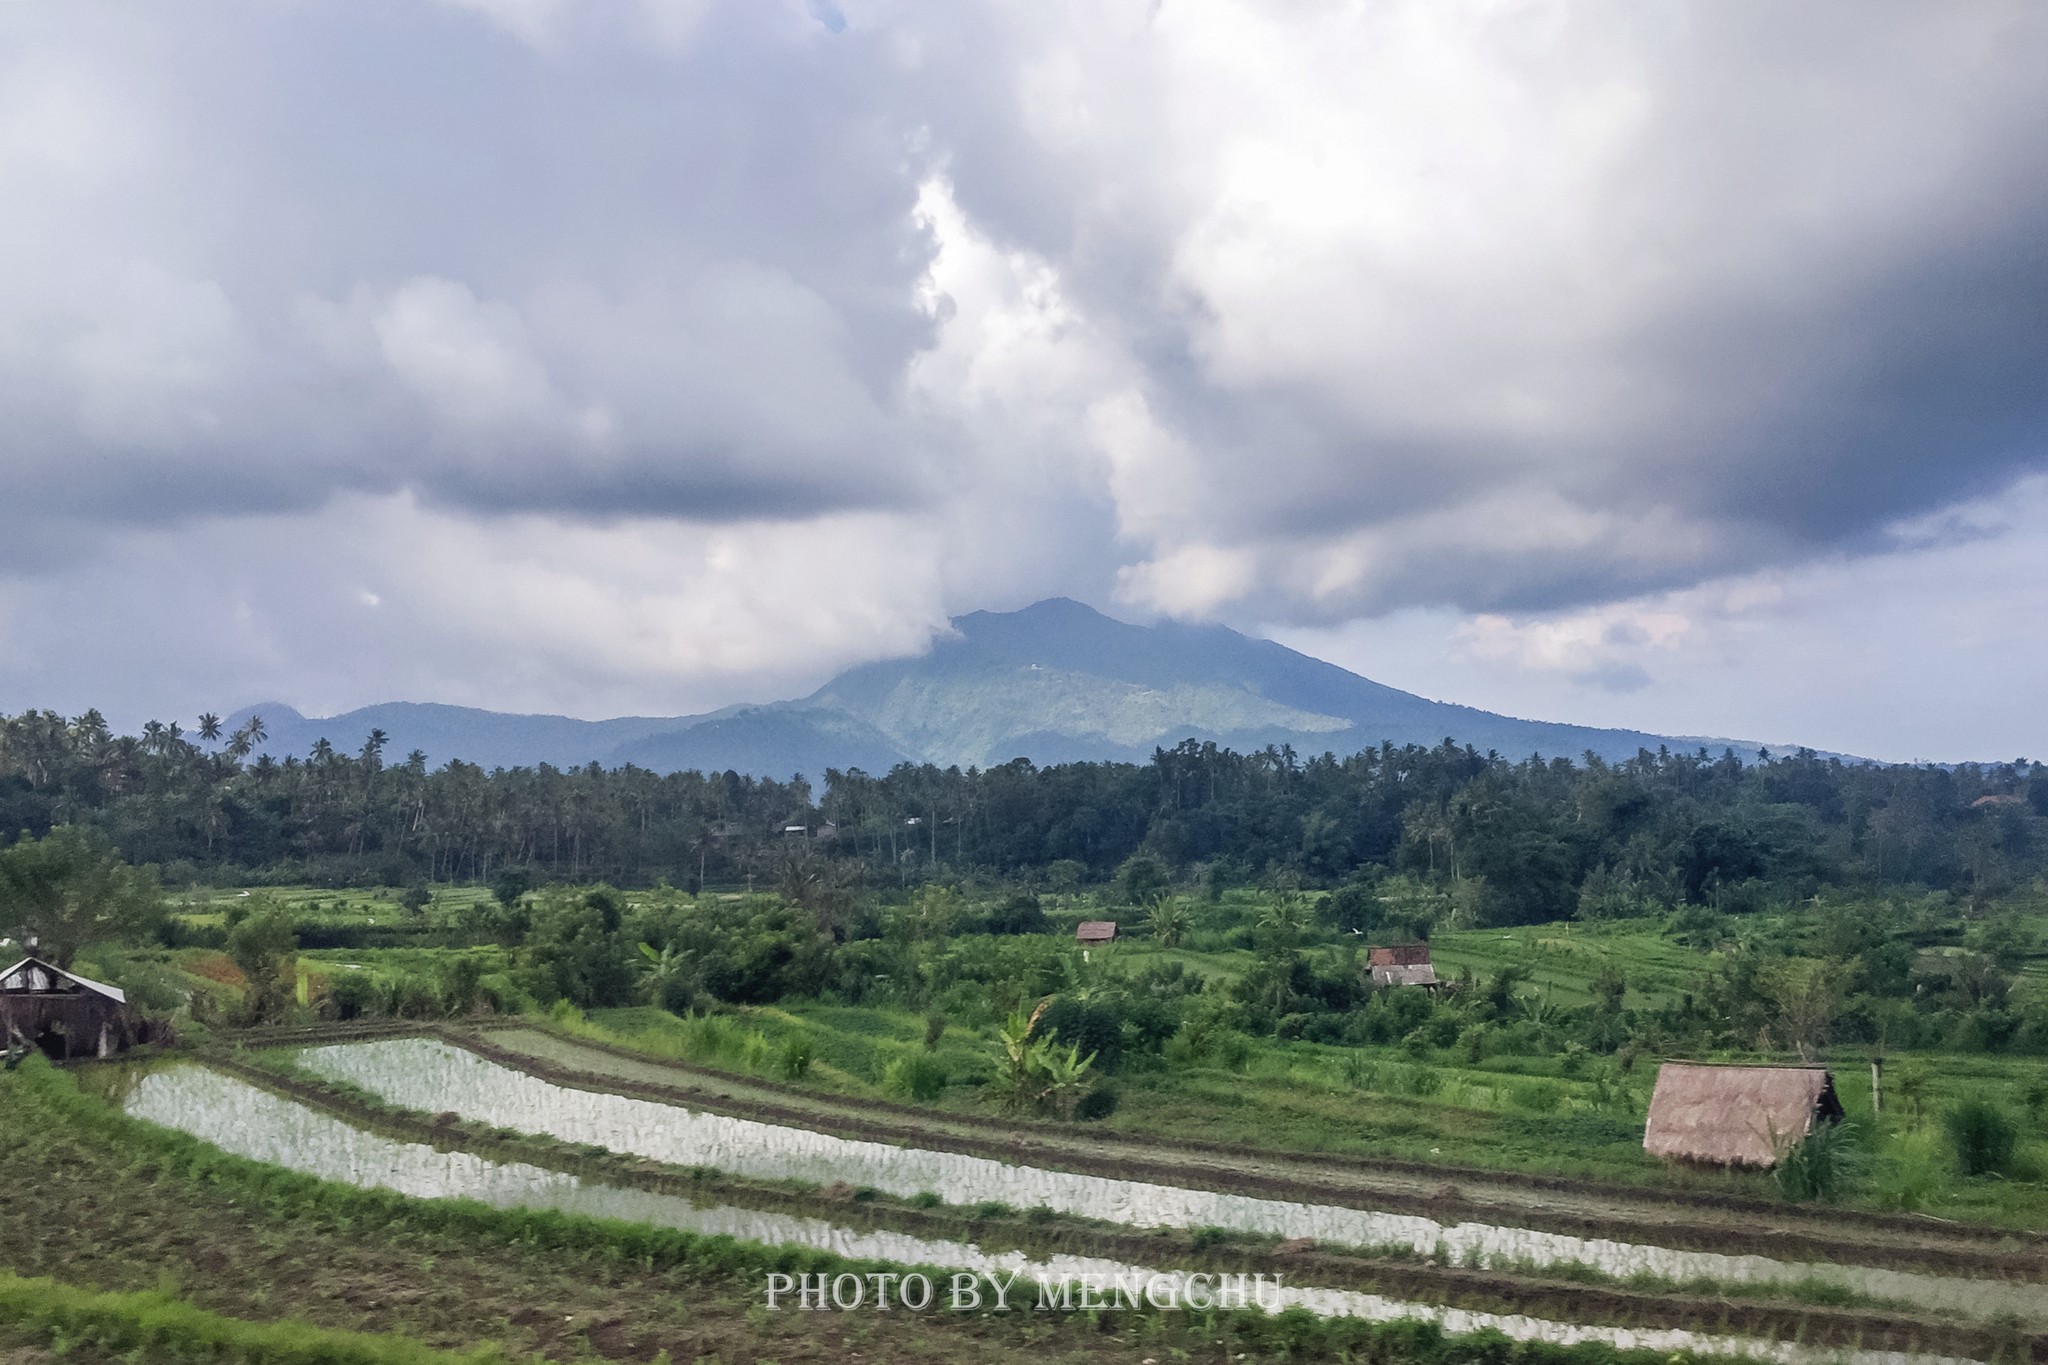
pixel 1020 914
pixel 915 1075
pixel 1538 1097
pixel 1423 1080
pixel 1098 1103
pixel 1982 1136
pixel 793 1062
pixel 351 995
pixel 411 997
pixel 1095 1029
pixel 1233 1050
pixel 460 982
pixel 755 1051
pixel 1820 1166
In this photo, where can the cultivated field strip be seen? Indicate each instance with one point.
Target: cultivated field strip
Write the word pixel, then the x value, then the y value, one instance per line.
pixel 1867 1328
pixel 1727 1225
pixel 427 1073
pixel 252 1122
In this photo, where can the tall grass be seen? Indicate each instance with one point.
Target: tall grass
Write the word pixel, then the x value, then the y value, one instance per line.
pixel 1982 1136
pixel 917 1076
pixel 159 1326
pixel 1822 1165
pixel 707 1039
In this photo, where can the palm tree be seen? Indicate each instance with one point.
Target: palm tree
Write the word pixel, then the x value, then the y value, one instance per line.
pixel 209 727
pixel 663 973
pixel 1019 1059
pixel 1168 921
pixel 1063 1073
pixel 244 741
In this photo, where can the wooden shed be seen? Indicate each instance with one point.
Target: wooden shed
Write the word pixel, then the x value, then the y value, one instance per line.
pixel 1094 931
pixel 42 1005
pixel 1736 1115
pixel 1404 964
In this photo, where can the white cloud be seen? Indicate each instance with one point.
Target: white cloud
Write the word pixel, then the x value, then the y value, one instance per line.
pixel 1927 653
pixel 469 360
pixel 699 344
pixel 531 21
pixel 385 597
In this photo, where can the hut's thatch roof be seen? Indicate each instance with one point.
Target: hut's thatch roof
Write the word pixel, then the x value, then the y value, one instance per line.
pixel 1736 1115
pixel 1096 930
pixel 1400 955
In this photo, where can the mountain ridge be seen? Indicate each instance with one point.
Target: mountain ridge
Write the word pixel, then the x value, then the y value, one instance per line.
pixel 1053 682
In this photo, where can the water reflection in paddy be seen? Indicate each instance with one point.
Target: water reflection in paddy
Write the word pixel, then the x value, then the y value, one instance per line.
pixel 426 1074
pixel 254 1123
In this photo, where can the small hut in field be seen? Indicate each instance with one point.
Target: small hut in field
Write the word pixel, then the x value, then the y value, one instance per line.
pixel 1404 964
pixel 1737 1115
pixel 1095 932
pixel 67 1016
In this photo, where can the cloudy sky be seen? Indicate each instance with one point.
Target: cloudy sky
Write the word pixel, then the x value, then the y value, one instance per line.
pixel 1675 366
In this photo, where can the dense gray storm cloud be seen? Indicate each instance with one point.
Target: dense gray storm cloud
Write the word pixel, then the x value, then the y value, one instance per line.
pixel 646 354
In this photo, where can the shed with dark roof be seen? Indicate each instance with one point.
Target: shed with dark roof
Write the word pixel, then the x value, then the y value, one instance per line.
pixel 66 1015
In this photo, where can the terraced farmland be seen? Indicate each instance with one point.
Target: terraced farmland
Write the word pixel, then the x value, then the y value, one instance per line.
pixel 540 1127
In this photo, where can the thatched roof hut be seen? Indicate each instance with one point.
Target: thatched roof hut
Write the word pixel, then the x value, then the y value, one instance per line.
pixel 1736 1115
pixel 1095 931
pixel 1404 964
pixel 42 1005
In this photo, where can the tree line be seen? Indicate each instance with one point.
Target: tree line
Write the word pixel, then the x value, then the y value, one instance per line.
pixel 1494 839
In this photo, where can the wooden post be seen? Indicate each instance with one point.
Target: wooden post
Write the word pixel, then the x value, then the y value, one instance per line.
pixel 1876 1085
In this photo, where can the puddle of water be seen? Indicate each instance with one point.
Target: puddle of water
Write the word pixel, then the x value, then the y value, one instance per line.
pixel 252 1122
pixel 427 1074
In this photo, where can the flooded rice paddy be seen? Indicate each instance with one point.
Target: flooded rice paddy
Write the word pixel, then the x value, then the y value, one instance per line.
pixel 251 1122
pixel 430 1075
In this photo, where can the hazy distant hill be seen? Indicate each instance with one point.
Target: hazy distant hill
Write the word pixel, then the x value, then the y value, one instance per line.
pixel 1060 681
pixel 1054 682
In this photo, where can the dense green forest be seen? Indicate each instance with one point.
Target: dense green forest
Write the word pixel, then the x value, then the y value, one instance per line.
pixel 1508 841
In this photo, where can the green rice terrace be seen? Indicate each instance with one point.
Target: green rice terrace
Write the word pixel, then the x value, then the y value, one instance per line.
pixel 386 1124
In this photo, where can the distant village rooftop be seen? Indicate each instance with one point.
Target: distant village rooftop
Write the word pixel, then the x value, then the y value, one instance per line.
pixel 1404 964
